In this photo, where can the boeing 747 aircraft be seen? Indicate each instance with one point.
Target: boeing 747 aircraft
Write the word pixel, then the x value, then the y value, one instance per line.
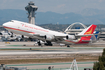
pixel 49 36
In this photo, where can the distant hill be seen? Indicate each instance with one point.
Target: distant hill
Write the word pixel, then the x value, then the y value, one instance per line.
pixel 87 16
pixel 51 17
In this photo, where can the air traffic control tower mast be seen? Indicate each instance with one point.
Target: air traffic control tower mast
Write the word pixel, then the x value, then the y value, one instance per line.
pixel 31 8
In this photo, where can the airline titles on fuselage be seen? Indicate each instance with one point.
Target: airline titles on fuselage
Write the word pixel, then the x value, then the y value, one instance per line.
pixel 23 25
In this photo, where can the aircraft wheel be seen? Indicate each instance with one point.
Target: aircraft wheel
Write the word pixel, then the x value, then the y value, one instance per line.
pixel 39 44
pixel 68 46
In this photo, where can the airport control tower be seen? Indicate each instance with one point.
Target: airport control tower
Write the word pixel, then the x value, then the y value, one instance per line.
pixel 31 8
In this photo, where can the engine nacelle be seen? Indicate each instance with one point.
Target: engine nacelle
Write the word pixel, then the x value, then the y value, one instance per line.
pixel 48 37
pixel 70 37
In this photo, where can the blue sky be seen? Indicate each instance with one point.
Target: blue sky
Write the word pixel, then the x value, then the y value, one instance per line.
pixel 58 6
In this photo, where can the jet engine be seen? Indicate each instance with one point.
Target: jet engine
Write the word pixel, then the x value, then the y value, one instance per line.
pixel 70 37
pixel 48 37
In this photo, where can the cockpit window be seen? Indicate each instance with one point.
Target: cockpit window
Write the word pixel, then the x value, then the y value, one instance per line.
pixel 11 21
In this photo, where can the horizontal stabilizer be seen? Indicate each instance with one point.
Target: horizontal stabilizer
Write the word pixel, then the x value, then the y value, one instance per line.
pixel 86 40
pixel 84 35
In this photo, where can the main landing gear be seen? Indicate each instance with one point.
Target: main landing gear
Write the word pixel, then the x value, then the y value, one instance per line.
pixel 68 45
pixel 39 44
pixel 48 43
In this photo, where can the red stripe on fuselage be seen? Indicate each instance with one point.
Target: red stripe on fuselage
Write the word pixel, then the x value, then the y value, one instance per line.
pixel 17 29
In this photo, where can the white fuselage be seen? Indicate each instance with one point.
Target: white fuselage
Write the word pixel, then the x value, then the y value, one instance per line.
pixel 34 31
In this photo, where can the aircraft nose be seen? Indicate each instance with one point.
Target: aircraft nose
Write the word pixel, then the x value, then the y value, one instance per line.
pixel 5 24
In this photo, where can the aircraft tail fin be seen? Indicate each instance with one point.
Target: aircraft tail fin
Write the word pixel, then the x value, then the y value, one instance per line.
pixel 87 31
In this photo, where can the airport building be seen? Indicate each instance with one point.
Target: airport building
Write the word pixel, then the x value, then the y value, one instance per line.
pixel 31 8
pixel 75 28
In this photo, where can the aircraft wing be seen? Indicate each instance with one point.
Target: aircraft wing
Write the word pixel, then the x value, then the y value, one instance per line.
pixel 59 38
pixel 56 38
